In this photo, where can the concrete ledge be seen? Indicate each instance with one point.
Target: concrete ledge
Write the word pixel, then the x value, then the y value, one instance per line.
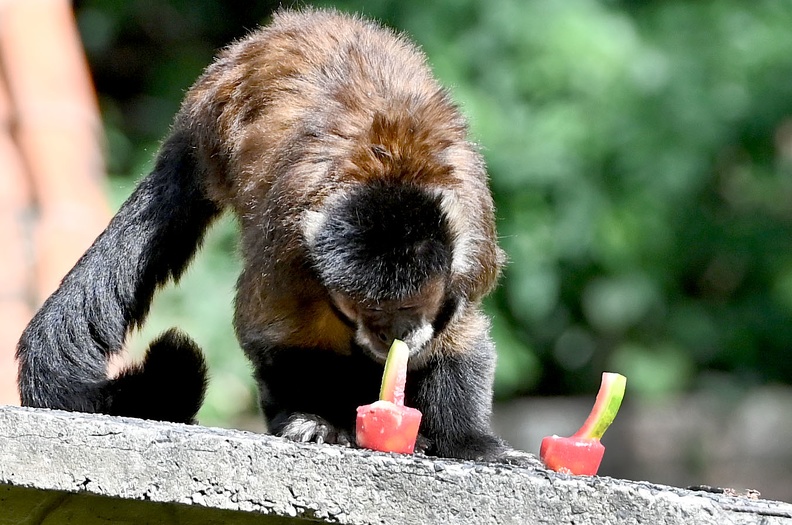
pixel 57 467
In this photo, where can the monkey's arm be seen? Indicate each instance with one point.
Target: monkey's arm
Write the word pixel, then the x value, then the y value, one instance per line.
pixel 309 394
pixel 454 393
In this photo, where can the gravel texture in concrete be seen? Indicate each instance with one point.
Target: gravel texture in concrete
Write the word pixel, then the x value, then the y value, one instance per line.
pixel 58 467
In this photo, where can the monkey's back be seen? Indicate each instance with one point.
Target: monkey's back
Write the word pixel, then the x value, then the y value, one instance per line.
pixel 303 91
pixel 295 114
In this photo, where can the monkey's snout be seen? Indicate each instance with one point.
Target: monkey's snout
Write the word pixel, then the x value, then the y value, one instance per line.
pixel 387 336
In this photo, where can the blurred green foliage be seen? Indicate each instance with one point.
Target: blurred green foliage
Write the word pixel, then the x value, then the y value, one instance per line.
pixel 640 155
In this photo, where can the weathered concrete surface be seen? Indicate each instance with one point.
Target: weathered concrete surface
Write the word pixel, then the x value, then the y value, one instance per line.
pixel 60 468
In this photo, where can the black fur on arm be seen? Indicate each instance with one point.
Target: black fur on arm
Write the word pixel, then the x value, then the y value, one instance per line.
pixel 64 351
pixel 454 394
pixel 308 383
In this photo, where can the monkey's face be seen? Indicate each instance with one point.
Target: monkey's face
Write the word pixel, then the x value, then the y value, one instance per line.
pixel 378 323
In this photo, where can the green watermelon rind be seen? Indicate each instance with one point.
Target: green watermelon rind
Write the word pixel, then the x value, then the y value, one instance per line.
pixel 395 375
pixel 606 406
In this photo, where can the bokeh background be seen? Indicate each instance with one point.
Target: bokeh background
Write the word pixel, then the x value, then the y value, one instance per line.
pixel 640 154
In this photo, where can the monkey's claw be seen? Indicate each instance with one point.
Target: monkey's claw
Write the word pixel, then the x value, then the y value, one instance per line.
pixel 519 458
pixel 310 428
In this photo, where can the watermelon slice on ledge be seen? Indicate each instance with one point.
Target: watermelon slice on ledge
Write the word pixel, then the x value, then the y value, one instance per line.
pixel 387 425
pixel 582 453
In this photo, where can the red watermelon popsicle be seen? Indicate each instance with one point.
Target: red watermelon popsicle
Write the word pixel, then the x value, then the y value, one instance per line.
pixel 387 425
pixel 581 454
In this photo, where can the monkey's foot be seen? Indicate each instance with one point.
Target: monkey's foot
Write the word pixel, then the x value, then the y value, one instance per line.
pixel 305 428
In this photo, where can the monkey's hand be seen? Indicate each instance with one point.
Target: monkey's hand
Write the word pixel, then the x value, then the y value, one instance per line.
pixel 422 444
pixel 310 428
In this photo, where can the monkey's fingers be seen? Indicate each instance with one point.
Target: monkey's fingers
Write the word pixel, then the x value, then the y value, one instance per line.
pixel 305 428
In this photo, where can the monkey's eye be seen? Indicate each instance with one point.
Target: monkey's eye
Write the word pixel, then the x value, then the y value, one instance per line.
pixel 406 307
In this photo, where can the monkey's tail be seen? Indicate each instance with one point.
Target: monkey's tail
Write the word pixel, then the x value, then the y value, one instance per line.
pixel 168 385
pixel 64 351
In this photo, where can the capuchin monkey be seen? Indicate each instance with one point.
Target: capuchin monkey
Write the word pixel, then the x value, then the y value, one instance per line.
pixel 365 216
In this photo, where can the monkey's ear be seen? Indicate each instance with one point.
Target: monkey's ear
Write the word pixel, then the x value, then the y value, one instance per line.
pixel 477 259
pixel 169 385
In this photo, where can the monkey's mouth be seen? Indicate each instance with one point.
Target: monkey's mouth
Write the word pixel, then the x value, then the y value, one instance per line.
pixel 373 346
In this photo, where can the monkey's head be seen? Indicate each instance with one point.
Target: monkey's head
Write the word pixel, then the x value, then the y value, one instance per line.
pixel 384 252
